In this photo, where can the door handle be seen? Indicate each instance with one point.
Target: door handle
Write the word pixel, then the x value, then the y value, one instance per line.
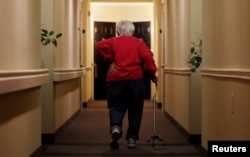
pixel 163 66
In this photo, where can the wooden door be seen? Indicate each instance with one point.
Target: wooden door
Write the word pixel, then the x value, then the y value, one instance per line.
pixel 102 30
pixel 142 31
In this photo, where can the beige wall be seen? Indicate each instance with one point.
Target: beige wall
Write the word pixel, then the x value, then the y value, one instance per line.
pixel 225 70
pixel 21 74
pixel 66 20
pixel 61 97
pixel 67 60
pixel 19 32
pixel 20 123
pixel 195 82
pixel 67 100
pixel 227 32
pixel 21 78
pixel 176 49
pixel 86 61
pixel 48 63
pixel 158 42
pixel 225 109
pixel 177 92
pixel 216 106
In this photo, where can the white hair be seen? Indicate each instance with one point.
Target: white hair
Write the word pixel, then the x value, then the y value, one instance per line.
pixel 125 28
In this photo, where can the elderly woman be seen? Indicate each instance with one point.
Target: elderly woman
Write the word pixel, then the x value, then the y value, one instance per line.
pixel 130 60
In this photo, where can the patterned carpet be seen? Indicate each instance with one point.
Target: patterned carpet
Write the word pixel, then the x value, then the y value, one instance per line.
pixel 87 135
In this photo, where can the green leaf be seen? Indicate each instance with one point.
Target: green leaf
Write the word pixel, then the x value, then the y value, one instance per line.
pixel 58 35
pixel 42 38
pixel 200 44
pixel 47 37
pixel 197 64
pixel 44 31
pixel 51 33
pixel 195 58
pixel 192 50
pixel 54 42
pixel 193 61
pixel 47 41
pixel 43 34
pixel 198 58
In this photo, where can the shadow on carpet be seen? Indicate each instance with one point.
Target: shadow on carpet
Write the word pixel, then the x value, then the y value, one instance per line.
pixel 104 150
pixel 88 135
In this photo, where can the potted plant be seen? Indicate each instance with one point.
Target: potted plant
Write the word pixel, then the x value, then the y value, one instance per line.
pixel 195 58
pixel 47 37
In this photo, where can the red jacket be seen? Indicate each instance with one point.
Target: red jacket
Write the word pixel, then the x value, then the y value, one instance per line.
pixel 131 56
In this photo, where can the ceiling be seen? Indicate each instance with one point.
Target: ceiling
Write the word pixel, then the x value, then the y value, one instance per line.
pixel 126 1
pixel 121 3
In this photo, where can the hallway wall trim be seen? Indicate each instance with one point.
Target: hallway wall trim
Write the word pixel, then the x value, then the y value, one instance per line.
pixel 15 80
pixel 182 71
pixel 227 73
pixel 68 74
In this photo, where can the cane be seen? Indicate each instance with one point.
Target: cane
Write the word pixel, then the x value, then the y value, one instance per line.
pixel 154 136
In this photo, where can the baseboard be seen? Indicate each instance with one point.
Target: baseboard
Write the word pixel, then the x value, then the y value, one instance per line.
pixel 84 104
pixel 192 138
pixel 159 105
pixel 195 139
pixel 48 138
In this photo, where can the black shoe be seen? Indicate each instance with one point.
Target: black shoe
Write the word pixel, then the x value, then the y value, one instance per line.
pixel 114 145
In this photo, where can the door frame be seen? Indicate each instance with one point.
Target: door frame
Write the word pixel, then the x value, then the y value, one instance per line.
pixel 154 35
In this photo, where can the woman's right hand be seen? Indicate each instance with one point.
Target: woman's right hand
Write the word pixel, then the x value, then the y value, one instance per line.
pixel 155 79
pixel 113 67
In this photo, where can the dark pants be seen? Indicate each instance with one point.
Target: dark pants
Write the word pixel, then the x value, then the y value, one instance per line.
pixel 123 96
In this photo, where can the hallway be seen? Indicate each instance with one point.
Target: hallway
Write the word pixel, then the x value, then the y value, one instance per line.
pixel 87 135
pixel 42 87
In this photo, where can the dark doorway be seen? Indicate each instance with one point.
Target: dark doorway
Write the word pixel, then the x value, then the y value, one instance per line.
pixel 102 30
pixel 142 31
pixel 105 30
